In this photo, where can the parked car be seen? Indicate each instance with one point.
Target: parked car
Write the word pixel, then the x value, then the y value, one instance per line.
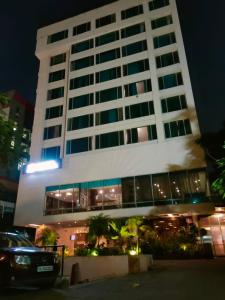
pixel 21 263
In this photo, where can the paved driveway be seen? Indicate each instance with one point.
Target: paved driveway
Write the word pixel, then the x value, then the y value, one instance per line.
pixel 169 280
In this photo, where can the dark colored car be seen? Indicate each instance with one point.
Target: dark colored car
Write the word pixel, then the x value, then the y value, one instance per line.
pixel 21 263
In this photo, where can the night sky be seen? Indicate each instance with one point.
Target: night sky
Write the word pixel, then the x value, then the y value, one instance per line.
pixel 203 32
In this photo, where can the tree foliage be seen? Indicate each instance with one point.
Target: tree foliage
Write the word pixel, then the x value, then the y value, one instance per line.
pixel 219 184
pixel 12 150
pixel 98 228
pixel 47 237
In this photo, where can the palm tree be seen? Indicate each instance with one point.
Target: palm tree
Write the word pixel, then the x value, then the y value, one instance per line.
pixel 120 234
pixel 98 228
pixel 219 184
pixel 127 234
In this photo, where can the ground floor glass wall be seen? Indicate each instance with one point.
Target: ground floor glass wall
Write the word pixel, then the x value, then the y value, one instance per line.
pixel 189 186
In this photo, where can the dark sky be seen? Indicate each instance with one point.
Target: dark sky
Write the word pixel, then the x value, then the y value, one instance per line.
pixel 203 32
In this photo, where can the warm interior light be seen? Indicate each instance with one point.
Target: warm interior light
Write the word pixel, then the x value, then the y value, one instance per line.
pixel 42 166
pixel 33 225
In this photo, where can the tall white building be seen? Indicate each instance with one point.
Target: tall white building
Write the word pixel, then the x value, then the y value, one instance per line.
pixel 115 104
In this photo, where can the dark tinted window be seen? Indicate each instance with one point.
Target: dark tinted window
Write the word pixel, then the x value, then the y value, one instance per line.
pixel 57 36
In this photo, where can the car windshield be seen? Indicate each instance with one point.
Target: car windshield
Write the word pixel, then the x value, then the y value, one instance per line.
pixel 9 240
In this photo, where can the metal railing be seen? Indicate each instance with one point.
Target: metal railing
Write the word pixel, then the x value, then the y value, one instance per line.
pixel 60 250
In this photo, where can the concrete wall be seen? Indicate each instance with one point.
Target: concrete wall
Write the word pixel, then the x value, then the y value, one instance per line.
pixel 92 268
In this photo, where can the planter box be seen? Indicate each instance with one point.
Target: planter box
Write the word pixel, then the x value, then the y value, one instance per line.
pixel 91 268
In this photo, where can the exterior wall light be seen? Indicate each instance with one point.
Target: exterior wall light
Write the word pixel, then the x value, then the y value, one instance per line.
pixel 42 166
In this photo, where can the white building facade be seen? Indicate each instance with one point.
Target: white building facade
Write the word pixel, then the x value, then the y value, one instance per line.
pixel 115 105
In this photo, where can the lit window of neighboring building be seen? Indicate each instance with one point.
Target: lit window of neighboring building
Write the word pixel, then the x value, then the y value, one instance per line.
pixel 50 153
pixel 137 88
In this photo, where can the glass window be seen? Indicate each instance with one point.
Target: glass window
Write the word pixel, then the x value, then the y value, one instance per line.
pixel 82 28
pixel 141 134
pixel 107 56
pixel 55 93
pixel 136 67
pixel 111 139
pixel 82 63
pixel 52 132
pixel 82 46
pixel 128 192
pixel 171 80
pixel 57 59
pixel 80 122
pixel 57 75
pixel 139 110
pixel 132 30
pixel 177 128
pixel 54 112
pixel 105 20
pixel 57 36
pixel 198 185
pixel 164 40
pixel 143 190
pixel 131 12
pixel 179 185
pixel 81 81
pixel 62 199
pixel 155 4
pixel 81 101
pixel 109 116
pixel 109 94
pixel 134 48
pixel 108 74
pixel 173 103
pixel 50 153
pixel 106 38
pixel 161 188
pixel 137 88
pixel 79 145
pixel 160 22
pixel 167 59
